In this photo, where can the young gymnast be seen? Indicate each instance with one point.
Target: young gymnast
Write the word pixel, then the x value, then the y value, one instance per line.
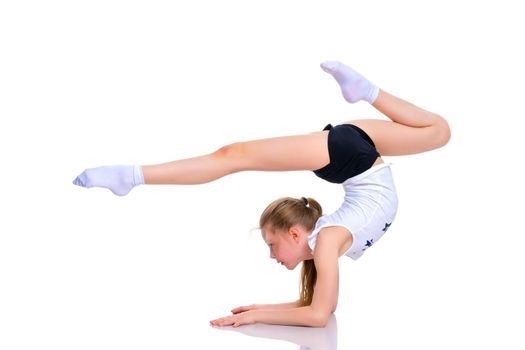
pixel 295 230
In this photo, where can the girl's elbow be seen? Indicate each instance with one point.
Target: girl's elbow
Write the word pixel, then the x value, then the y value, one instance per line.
pixel 321 319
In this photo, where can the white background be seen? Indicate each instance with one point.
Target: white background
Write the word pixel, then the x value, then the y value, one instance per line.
pixel 84 84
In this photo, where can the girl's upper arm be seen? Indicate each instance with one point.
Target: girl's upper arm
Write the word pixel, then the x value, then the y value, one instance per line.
pixel 326 257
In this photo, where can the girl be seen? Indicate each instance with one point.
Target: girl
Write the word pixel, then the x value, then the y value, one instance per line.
pixel 295 229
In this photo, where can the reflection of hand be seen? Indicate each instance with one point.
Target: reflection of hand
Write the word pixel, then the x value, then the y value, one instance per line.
pixel 236 320
pixel 307 337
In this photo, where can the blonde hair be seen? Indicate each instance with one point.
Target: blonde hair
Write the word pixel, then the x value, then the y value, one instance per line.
pixel 282 214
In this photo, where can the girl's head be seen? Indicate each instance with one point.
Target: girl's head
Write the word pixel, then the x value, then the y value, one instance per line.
pixel 285 226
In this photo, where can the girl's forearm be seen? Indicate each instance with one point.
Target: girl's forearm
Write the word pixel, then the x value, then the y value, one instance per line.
pixel 299 316
pixel 282 306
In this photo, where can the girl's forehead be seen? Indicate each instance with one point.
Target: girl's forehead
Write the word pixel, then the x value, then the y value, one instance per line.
pixel 266 229
pixel 267 233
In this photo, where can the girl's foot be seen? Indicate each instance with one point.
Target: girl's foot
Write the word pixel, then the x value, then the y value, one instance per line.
pixel 354 86
pixel 120 179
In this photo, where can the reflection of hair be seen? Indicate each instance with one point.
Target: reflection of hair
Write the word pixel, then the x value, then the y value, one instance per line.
pixel 283 214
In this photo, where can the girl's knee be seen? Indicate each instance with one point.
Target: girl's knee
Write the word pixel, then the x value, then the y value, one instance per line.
pixel 232 156
pixel 231 151
pixel 443 133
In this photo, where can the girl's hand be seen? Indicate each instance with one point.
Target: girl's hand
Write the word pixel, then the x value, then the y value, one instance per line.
pixel 244 308
pixel 235 320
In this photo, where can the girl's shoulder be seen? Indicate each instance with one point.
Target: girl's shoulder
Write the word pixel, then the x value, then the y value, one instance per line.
pixel 338 238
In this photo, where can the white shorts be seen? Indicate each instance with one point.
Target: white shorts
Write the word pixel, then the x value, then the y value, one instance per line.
pixel 369 207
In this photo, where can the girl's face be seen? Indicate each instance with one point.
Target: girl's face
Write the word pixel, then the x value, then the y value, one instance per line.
pixel 288 248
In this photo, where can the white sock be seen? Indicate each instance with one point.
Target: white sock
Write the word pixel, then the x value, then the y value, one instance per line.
pixel 354 86
pixel 120 179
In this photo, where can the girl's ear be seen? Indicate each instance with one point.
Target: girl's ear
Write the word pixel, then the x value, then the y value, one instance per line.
pixel 295 232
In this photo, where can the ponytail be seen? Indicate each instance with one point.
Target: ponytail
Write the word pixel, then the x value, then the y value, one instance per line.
pixel 307 282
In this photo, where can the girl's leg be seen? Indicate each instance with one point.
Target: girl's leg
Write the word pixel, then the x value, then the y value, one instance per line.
pixel 412 129
pixel 300 152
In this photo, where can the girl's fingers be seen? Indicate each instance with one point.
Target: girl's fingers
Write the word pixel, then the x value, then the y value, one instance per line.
pixel 226 321
pixel 239 309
